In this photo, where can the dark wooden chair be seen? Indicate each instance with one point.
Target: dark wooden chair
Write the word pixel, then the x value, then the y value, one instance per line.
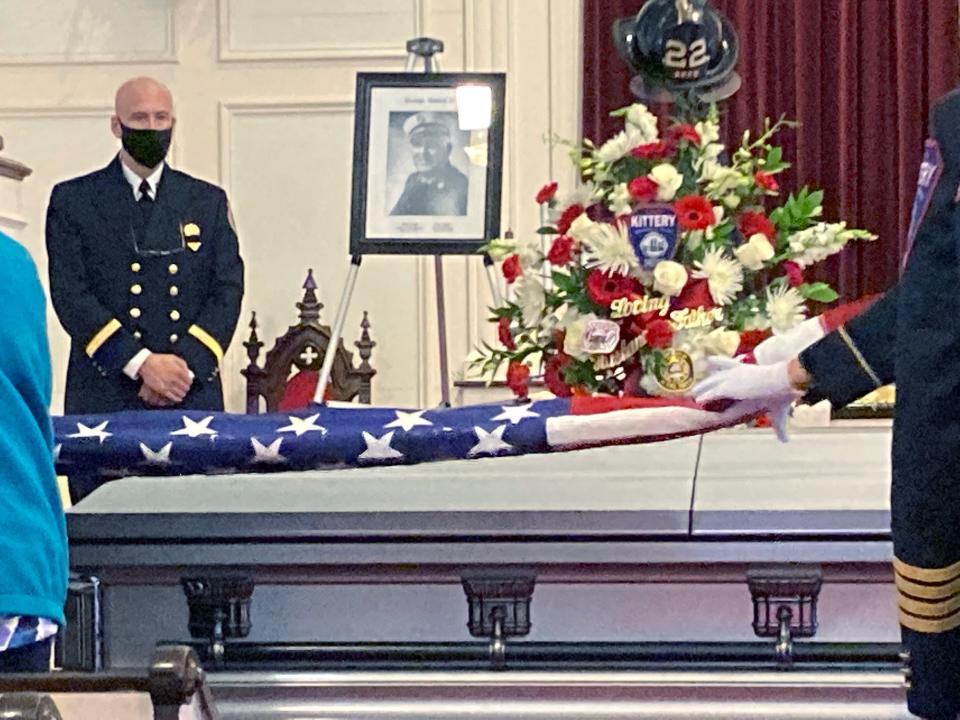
pixel 288 378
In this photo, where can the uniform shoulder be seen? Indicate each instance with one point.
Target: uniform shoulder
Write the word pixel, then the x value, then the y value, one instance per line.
pixel 81 181
pixel 948 104
pixel 195 184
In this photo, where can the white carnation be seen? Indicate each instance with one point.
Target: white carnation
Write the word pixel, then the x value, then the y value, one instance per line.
pixel 639 117
pixel 614 148
pixel 723 274
pixel 755 252
pixel 531 299
pixel 669 278
pixel 668 180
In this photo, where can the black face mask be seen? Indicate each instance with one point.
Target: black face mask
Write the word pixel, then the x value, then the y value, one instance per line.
pixel 147 147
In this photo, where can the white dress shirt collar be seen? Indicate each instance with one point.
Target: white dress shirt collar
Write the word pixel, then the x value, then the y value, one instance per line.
pixel 153 180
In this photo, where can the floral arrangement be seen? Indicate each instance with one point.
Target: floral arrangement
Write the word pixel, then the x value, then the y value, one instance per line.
pixel 669 252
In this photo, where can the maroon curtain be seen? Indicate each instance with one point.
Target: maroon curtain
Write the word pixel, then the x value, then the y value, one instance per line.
pixel 858 76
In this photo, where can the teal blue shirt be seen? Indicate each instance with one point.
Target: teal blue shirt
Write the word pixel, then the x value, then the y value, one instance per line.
pixel 33 537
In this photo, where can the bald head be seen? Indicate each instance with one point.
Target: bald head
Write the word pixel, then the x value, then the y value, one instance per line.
pixel 142 103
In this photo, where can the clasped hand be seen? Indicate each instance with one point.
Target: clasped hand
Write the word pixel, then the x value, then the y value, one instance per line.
pixel 166 380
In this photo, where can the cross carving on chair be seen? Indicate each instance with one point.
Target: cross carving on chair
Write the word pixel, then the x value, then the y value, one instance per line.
pixel 309 355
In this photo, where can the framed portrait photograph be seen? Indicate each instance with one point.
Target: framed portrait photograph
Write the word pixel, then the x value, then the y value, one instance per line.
pixel 427 163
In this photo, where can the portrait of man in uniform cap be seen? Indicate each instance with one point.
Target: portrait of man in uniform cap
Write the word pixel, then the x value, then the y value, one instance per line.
pixel 435 187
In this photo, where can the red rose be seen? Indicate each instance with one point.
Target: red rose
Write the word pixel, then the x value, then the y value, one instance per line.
pixel 651 151
pixel 518 377
pixel 752 223
pixel 603 288
pixel 546 193
pixel 794 273
pixel 765 181
pixel 749 339
pixel 695 294
pixel 694 212
pixel 503 331
pixel 511 268
pixel 561 251
pixel 643 189
pixel 659 333
pixel 677 133
pixel 568 216
pixel 553 375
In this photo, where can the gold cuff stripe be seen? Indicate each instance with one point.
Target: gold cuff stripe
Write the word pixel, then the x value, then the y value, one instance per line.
pixel 208 340
pixel 103 334
pixel 858 356
pixel 926 575
pixel 929 609
pixel 925 591
pixel 926 625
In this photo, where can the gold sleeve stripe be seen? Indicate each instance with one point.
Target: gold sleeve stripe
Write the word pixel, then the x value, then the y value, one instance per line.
pixel 926 575
pixel 929 609
pixel 103 334
pixel 929 625
pixel 208 340
pixel 926 592
pixel 858 356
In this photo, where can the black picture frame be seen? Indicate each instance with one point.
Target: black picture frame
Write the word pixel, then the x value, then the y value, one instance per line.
pixel 398 115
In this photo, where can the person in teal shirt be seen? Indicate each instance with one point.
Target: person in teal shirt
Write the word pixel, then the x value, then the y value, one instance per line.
pixel 33 537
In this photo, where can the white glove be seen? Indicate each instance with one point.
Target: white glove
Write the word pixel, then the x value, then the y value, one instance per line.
pixel 730 379
pixel 788 345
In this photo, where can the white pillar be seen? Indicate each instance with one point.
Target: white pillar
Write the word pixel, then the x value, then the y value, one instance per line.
pixel 12 174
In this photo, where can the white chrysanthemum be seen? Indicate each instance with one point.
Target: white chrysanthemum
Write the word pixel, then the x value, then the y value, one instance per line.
pixel 530 297
pixel 607 248
pixel 639 117
pixel 619 201
pixel 573 338
pixel 668 180
pixel 785 308
pixel 723 274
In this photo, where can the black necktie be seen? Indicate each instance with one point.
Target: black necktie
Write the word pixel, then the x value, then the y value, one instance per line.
pixel 145 201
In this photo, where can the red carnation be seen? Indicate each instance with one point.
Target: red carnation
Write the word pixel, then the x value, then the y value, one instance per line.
pixel 553 375
pixel 546 193
pixel 511 268
pixel 752 223
pixel 503 331
pixel 694 212
pixel 676 133
pixel 568 216
pixel 659 333
pixel 561 251
pixel 794 273
pixel 651 151
pixel 643 189
pixel 518 378
pixel 749 339
pixel 603 288
pixel 765 181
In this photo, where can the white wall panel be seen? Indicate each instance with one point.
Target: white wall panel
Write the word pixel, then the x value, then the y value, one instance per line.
pixel 287 168
pixel 303 29
pixel 84 31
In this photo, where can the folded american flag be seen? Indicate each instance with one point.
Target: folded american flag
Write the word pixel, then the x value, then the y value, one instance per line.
pixel 170 442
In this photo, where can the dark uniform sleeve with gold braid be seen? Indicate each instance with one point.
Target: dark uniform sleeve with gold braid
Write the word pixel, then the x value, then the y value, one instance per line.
pixel 90 325
pixel 856 358
pixel 212 328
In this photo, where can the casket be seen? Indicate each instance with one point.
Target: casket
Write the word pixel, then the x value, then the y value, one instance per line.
pixel 723 576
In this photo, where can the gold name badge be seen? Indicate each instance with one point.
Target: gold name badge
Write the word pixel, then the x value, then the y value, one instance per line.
pixel 675 374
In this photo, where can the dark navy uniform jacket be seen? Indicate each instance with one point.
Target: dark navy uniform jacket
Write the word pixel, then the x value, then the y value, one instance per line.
pixel 444 194
pixel 912 337
pixel 120 284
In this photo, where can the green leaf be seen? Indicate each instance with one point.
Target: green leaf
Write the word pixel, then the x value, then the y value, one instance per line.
pixel 546 230
pixel 821 292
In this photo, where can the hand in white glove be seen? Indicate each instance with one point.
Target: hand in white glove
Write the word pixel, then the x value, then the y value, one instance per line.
pixel 733 380
pixel 788 345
